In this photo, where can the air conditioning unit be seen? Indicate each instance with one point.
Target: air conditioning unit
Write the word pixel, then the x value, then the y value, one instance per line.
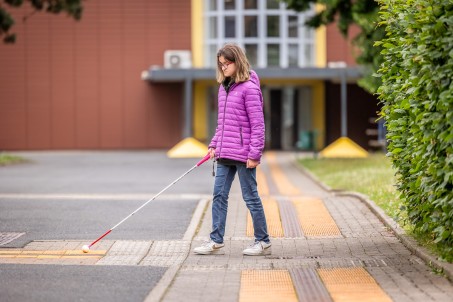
pixel 177 59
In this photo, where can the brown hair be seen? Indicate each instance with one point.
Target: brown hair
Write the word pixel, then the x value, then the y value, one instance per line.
pixel 233 53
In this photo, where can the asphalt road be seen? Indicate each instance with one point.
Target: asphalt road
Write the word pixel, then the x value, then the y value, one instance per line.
pixel 120 172
pixel 73 195
pixel 76 283
pixel 46 219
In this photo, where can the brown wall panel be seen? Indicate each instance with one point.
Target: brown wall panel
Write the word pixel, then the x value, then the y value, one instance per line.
pixel 166 128
pixel 87 80
pixel 111 83
pixel 76 85
pixel 134 63
pixel 13 105
pixel 62 85
pixel 340 48
pixel 38 81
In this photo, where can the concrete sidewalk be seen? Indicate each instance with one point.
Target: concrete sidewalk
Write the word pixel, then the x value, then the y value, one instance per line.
pixel 324 248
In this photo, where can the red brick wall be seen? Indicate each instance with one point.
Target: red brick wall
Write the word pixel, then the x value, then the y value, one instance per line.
pixel 339 48
pixel 76 85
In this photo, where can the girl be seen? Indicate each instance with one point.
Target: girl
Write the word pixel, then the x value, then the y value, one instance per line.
pixel 237 146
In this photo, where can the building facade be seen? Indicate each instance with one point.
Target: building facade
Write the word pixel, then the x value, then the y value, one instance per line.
pixel 140 74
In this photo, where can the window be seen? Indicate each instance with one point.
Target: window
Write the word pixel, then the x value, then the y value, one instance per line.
pixel 293 55
pixel 293 26
pixel 270 34
pixel 309 55
pixel 251 26
pixel 273 26
pixel 212 27
pixel 250 4
pixel 251 51
pixel 212 57
pixel 272 4
pixel 212 5
pixel 273 55
pixel 230 27
pixel 230 4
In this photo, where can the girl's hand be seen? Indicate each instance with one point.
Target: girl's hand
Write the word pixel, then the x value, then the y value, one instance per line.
pixel 252 163
pixel 211 153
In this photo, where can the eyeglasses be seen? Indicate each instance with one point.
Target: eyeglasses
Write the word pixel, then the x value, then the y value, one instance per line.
pixel 224 65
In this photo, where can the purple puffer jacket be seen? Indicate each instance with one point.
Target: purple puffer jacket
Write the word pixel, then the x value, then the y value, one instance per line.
pixel 240 124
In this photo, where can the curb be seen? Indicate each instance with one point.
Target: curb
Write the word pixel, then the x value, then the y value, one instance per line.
pixel 158 292
pixel 410 243
pixel 196 218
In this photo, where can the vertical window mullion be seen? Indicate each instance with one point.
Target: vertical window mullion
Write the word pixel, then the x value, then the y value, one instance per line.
pixel 283 38
pixel 301 41
pixel 262 25
pixel 220 23
pixel 240 22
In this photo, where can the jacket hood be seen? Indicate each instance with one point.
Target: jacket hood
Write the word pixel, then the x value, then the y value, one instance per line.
pixel 254 78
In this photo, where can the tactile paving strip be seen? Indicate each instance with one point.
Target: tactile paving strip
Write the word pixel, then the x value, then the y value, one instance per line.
pixel 290 221
pixel 167 253
pixel 126 253
pixel 263 187
pixel 309 286
pixel 284 185
pixel 55 254
pixel 6 238
pixel 314 218
pixel 266 285
pixel 274 224
pixel 352 285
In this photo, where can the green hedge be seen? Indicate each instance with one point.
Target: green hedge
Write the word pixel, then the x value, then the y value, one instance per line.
pixel 417 97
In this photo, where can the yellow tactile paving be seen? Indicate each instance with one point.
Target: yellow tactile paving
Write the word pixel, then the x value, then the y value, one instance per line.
pixel 10 252
pixel 314 218
pixel 51 254
pixel 352 285
pixel 273 221
pixel 80 252
pixel 266 285
pixel 284 185
pixel 263 187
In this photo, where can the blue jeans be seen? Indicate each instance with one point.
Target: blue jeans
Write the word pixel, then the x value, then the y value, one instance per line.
pixel 223 180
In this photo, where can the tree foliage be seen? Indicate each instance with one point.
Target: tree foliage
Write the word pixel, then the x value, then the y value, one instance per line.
pixel 417 93
pixel 362 13
pixel 72 7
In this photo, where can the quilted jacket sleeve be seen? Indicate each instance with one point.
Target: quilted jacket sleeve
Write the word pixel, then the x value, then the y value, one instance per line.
pixel 213 143
pixel 254 108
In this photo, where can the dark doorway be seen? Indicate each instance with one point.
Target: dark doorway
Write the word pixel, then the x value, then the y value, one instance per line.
pixel 276 118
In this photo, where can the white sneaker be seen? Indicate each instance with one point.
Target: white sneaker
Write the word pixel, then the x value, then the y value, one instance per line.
pixel 209 248
pixel 259 248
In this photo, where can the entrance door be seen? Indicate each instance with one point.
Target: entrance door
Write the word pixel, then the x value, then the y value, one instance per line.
pixel 275 114
pixel 287 115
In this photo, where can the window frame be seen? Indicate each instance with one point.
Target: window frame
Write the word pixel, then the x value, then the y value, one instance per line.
pixel 305 36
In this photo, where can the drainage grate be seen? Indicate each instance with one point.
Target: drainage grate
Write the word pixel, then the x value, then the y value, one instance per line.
pixel 279 257
pixel 6 238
